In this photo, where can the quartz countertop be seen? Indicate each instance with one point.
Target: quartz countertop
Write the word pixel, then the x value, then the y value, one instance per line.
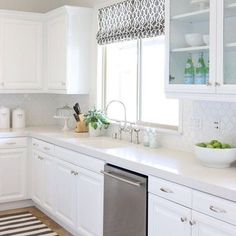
pixel 176 166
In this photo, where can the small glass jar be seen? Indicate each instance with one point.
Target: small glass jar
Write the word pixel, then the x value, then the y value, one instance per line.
pixel 153 139
pixel 146 137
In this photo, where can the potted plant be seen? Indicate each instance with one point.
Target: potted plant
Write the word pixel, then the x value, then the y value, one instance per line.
pixel 97 122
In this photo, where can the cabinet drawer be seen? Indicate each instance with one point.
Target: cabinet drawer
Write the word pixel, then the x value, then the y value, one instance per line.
pixel 171 191
pixel 13 142
pixel 43 146
pixel 79 159
pixel 216 207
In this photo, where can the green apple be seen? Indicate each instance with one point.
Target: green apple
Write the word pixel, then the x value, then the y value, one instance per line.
pixel 210 146
pixel 217 145
pixel 202 145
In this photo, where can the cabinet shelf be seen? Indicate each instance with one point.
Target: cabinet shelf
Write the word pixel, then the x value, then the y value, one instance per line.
pixel 191 49
pixel 202 15
pixel 230 46
pixel 230 10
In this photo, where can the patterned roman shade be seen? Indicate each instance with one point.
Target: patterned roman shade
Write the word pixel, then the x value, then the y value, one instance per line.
pixel 131 19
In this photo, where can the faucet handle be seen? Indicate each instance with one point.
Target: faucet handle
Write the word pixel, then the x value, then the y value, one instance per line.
pixel 137 130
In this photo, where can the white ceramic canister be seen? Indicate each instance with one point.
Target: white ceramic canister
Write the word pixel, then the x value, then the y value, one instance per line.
pixel 18 118
pixel 4 118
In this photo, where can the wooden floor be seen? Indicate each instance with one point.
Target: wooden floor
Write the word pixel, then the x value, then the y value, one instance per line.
pixel 41 216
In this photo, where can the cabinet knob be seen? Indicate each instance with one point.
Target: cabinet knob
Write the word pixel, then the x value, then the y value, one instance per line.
pixel 192 222
pixel 183 219
pixel 76 173
pixel 72 172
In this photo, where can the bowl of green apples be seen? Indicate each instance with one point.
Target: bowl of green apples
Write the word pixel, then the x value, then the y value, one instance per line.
pixel 215 154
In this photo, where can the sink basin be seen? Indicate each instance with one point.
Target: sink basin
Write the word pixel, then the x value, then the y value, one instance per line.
pixel 102 143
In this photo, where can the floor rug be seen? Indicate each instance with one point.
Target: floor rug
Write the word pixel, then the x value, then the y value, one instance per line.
pixel 23 224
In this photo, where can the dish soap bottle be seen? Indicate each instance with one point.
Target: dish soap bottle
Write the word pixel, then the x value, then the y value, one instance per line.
pixel 189 71
pixel 200 75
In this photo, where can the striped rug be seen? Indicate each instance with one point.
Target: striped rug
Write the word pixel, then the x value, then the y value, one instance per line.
pixel 23 224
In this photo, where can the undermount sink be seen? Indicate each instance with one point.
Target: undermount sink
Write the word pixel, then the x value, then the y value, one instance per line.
pixel 104 143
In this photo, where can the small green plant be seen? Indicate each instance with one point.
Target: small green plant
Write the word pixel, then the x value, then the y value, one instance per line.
pixel 97 119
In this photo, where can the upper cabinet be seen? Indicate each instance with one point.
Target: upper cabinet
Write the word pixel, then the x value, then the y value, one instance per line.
pixel 69 35
pixel 21 51
pixel 200 48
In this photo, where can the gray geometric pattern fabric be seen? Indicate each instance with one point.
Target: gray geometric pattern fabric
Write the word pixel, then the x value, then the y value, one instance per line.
pixel 131 19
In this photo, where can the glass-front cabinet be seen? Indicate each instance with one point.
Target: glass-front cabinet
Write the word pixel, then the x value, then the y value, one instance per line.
pixel 227 46
pixel 201 48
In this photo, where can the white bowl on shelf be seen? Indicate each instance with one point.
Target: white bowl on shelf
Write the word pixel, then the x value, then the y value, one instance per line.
pixel 201 4
pixel 194 40
pixel 206 39
pixel 215 158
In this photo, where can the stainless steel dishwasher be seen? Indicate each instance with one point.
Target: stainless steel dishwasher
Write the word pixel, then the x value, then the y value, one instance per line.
pixel 125 202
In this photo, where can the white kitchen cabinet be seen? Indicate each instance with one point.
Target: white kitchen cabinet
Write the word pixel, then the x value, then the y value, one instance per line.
pixel 43 180
pixel 204 225
pixel 217 20
pixel 37 177
pixel 167 218
pixel 90 203
pixel 66 193
pixel 21 56
pixel 13 164
pixel 68 50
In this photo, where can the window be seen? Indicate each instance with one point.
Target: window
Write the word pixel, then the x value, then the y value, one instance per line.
pixel 134 74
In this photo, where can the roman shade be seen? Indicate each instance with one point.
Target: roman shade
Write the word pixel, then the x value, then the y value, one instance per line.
pixel 131 19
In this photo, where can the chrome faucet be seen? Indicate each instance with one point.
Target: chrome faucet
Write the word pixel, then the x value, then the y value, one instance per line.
pixel 122 128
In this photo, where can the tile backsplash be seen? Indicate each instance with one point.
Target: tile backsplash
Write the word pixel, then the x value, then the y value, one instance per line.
pixel 199 117
pixel 40 108
pixel 200 122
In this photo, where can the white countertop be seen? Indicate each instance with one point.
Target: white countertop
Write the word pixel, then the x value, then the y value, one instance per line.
pixel 172 165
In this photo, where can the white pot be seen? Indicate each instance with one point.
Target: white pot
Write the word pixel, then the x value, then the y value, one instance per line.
pixel 95 132
pixel 4 118
pixel 18 118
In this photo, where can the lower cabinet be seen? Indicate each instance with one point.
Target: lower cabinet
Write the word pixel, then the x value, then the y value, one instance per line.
pixel 168 218
pixel 66 193
pixel 90 203
pixel 13 164
pixel 72 194
pixel 204 225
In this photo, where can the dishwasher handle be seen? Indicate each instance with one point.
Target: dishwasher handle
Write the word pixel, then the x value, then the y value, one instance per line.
pixel 122 179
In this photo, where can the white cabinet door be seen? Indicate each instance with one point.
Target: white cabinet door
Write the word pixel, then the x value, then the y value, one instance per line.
pixel 37 177
pixel 21 51
pixel 208 226
pixel 49 184
pixel 66 193
pixel 90 203
pixel 57 53
pixel 13 174
pixel 167 218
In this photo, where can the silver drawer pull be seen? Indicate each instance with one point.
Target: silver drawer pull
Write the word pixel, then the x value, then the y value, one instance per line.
pixel 40 158
pixel 183 219
pixel 35 144
pixel 217 210
pixel 46 148
pixel 122 179
pixel 13 143
pixel 166 190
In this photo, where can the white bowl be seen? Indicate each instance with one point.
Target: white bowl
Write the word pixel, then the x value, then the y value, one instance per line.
pixel 194 40
pixel 206 39
pixel 215 158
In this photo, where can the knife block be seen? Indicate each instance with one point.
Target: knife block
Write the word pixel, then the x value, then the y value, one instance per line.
pixel 81 126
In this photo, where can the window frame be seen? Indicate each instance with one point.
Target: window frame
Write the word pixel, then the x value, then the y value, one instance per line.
pixel 161 127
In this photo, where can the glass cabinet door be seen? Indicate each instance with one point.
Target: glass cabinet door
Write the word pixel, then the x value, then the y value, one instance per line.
pixel 229 43
pixel 189 31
